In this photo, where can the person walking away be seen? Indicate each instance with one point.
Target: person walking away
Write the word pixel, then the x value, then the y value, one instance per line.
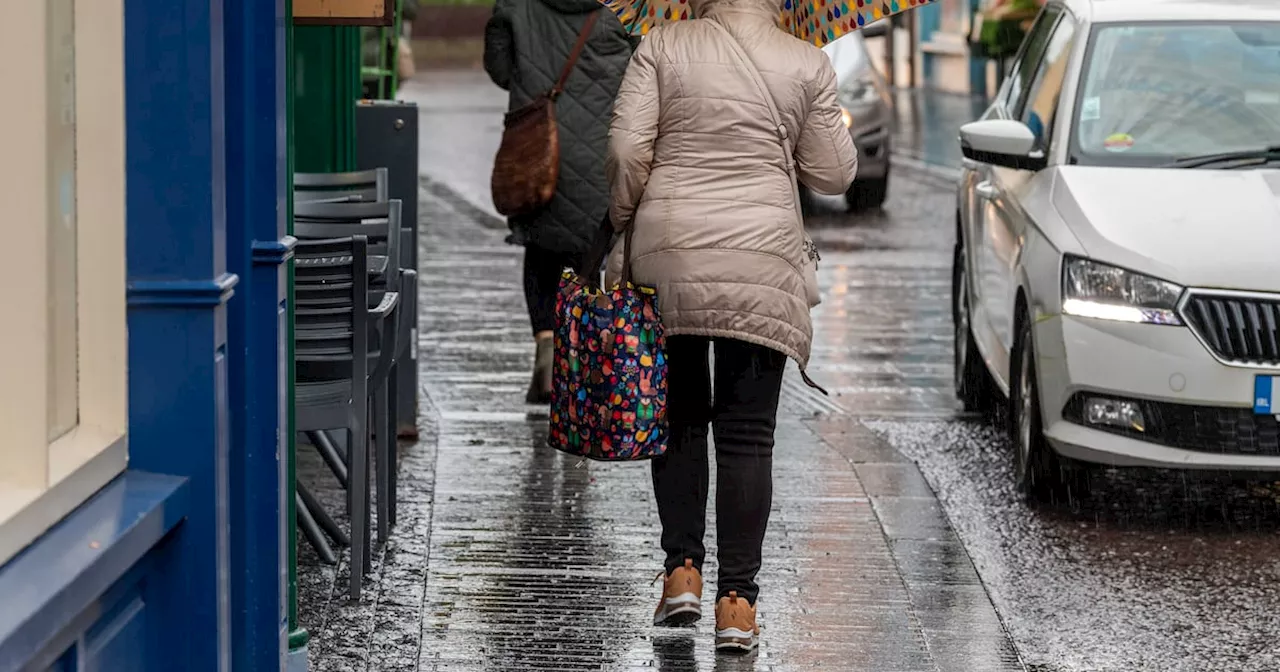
pixel 696 168
pixel 526 47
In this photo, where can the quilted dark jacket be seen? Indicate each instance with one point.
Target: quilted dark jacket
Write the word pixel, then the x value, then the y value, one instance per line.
pixel 526 45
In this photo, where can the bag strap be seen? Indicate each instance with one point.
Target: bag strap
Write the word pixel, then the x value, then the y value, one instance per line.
pixel 575 53
pixel 600 246
pixel 784 140
pixel 599 250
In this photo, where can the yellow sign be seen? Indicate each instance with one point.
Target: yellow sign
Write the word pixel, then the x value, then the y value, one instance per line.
pixel 344 12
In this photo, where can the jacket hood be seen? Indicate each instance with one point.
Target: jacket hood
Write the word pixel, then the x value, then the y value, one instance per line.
pixel 769 8
pixel 572 6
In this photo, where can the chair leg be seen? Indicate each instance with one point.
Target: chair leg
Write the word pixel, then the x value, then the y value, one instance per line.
pixel 322 517
pixel 358 498
pixel 393 447
pixel 329 452
pixel 312 532
pixel 382 424
pixel 368 493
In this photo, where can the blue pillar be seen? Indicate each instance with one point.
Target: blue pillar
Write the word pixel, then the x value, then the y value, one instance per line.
pixel 928 19
pixel 257 251
pixel 178 289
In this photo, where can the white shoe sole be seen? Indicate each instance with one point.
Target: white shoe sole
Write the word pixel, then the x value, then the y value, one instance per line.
pixel 733 639
pixel 681 610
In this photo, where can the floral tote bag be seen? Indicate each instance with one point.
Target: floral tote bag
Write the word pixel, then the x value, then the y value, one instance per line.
pixel 609 378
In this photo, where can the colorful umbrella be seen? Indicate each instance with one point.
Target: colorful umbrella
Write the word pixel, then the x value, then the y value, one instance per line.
pixel 816 21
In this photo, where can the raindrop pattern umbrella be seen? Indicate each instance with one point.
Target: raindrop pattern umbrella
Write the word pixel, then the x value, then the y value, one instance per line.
pixel 816 21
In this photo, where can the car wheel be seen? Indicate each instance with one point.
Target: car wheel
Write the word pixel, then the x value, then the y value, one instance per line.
pixel 1040 474
pixel 867 194
pixel 972 381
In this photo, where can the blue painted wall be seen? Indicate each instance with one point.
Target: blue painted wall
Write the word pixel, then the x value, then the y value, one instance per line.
pixel 178 290
pixel 178 564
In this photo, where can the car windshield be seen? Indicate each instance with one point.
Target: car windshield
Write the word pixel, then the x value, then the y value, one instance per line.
pixel 1153 93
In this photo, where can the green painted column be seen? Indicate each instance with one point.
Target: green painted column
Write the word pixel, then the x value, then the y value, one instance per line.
pixel 297 636
pixel 326 88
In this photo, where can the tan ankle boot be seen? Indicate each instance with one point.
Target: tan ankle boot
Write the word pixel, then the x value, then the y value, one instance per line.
pixel 736 628
pixel 681 602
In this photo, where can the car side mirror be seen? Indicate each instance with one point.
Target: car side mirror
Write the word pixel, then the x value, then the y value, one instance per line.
pixel 1002 142
pixel 878 29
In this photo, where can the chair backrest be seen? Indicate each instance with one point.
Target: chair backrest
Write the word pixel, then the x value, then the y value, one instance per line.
pixel 341 196
pixel 332 309
pixel 369 185
pixel 344 212
pixel 378 222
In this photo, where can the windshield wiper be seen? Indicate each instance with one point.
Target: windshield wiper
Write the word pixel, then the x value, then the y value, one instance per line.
pixel 1249 157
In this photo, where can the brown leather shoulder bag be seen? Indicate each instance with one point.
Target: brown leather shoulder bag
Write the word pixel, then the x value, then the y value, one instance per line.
pixel 527 166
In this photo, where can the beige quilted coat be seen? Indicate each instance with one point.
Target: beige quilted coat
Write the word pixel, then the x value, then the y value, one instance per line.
pixel 695 165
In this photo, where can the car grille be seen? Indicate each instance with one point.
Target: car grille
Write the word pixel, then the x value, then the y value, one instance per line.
pixel 1204 429
pixel 1238 329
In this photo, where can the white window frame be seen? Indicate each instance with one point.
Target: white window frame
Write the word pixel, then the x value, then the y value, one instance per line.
pixel 42 481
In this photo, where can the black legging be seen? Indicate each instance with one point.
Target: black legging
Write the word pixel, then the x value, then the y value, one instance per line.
pixel 542 271
pixel 743 415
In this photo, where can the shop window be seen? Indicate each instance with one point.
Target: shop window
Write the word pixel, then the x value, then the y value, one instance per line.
pixel 63 385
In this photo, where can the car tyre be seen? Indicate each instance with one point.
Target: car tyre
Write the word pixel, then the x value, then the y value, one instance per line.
pixel 867 194
pixel 973 383
pixel 1040 474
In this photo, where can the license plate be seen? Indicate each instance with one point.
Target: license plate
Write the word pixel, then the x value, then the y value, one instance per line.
pixel 1266 395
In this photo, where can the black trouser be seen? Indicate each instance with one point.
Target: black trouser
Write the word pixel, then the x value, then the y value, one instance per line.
pixel 743 415
pixel 542 271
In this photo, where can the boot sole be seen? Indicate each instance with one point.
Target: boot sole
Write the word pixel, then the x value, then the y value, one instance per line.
pixel 680 611
pixel 732 640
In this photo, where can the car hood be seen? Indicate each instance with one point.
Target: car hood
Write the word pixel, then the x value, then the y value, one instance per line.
pixel 1198 228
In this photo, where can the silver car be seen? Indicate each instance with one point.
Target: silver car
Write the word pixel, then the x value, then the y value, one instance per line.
pixel 1117 266
pixel 868 113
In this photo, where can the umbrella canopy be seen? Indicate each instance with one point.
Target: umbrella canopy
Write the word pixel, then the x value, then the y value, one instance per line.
pixel 816 21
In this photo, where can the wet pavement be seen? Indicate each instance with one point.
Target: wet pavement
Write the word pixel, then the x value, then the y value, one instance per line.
pixel 522 558
pixel 509 556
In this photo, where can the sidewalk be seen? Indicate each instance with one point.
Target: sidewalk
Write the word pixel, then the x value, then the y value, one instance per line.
pixel 511 556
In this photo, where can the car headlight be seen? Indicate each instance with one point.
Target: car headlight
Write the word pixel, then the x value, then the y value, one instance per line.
pixel 846 118
pixel 1101 291
pixel 860 91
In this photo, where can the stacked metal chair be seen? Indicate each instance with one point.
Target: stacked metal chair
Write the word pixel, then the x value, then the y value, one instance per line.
pixel 338 217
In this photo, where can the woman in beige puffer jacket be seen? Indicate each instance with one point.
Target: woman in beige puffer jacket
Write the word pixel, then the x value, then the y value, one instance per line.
pixel 695 165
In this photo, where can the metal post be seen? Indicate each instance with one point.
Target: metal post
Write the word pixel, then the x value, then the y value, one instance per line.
pixel 913 43
pixel 388 138
pixel 891 75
